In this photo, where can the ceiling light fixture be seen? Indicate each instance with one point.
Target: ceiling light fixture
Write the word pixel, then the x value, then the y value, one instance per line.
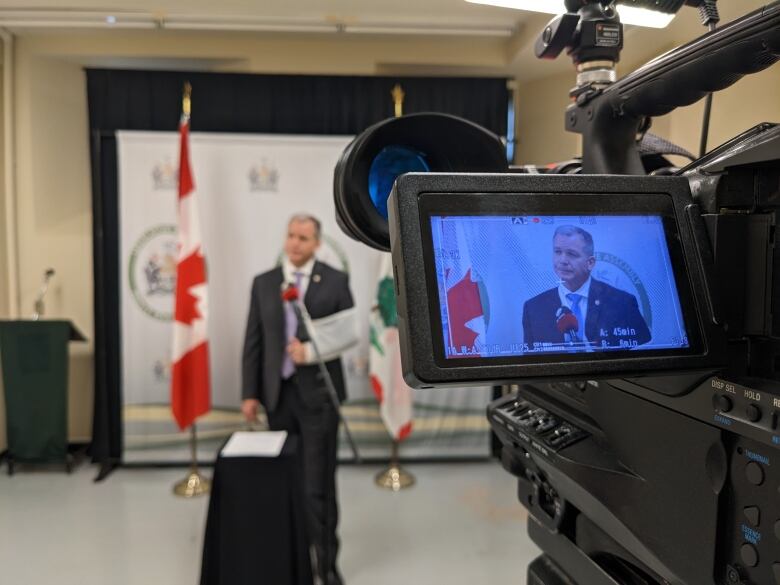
pixel 635 15
pixel 66 19
pixel 73 19
pixel 428 30
pixel 181 23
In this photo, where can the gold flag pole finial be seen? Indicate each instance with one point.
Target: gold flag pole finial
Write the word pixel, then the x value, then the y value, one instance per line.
pixel 186 100
pixel 398 99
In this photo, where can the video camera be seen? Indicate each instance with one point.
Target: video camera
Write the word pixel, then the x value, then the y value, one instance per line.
pixel 636 318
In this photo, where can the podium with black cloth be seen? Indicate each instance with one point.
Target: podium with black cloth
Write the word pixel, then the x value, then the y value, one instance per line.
pixel 34 358
pixel 256 527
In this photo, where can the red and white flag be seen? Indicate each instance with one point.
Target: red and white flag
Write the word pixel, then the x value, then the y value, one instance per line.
pixel 464 305
pixel 465 300
pixel 384 358
pixel 190 395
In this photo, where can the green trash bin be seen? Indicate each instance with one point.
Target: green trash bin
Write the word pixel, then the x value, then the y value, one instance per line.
pixel 34 359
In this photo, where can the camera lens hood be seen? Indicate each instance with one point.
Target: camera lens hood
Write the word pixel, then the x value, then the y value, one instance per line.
pixel 447 143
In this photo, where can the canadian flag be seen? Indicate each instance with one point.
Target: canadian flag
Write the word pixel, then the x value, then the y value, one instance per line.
pixel 466 303
pixel 190 395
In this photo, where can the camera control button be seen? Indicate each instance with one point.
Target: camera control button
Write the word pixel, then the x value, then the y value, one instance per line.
pixel 753 515
pixel 749 555
pixel 753 413
pixel 755 473
pixel 777 530
pixel 722 403
pixel 776 572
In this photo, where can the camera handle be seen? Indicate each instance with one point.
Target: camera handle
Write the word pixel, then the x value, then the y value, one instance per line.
pixel 609 119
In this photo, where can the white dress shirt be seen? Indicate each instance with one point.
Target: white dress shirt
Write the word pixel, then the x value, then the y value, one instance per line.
pixel 289 269
pixel 335 333
pixel 583 291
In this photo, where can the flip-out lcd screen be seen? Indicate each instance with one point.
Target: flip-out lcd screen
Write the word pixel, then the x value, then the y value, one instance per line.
pixel 528 285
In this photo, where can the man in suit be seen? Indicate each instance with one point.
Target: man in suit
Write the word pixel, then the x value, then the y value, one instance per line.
pixel 604 317
pixel 279 372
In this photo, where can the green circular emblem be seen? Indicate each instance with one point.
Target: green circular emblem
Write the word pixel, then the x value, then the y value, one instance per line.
pixel 618 273
pixel 151 271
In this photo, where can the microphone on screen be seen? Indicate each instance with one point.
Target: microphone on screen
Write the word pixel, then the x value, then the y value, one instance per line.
pixel 566 323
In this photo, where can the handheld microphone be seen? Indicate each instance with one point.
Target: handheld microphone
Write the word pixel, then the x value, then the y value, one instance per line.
pixel 567 323
pixel 291 294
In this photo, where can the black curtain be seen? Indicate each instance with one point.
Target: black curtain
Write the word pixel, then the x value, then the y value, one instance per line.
pixel 228 102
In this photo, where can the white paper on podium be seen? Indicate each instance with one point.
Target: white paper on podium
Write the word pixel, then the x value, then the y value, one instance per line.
pixel 255 444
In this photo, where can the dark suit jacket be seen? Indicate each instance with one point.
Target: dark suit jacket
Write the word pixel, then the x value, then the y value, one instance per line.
pixel 613 315
pixel 265 341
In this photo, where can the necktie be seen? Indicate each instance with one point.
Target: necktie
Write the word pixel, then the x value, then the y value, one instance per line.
pixel 290 329
pixel 575 299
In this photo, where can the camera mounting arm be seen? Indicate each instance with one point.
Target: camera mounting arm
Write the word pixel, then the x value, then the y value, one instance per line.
pixel 556 36
pixel 609 119
pixel 592 35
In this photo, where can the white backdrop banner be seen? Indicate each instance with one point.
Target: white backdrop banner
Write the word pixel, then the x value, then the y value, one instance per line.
pixel 248 187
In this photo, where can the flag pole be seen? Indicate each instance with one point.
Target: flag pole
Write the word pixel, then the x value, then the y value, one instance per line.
pixel 395 477
pixel 398 99
pixel 194 484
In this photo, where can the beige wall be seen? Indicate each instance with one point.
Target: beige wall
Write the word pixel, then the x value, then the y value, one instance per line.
pixel 269 53
pixel 53 214
pixel 541 103
pixel 541 138
pixel 752 100
pixel 4 309
pixel 53 171
pixel 52 150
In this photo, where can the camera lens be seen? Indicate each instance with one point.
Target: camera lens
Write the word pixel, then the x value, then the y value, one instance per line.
pixel 371 163
pixel 389 164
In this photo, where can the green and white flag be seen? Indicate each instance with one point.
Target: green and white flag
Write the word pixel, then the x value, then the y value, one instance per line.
pixel 395 397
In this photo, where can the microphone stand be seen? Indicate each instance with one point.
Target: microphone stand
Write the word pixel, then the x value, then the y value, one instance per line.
pixel 303 320
pixel 38 309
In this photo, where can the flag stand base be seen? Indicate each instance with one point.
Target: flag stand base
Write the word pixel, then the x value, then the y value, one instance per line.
pixel 394 477
pixel 193 485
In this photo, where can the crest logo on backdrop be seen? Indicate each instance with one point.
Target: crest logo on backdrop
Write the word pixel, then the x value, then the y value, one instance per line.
pixel 162 371
pixel 264 177
pixel 165 176
pixel 152 271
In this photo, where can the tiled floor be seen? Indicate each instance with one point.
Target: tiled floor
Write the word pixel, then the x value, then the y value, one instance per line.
pixel 461 524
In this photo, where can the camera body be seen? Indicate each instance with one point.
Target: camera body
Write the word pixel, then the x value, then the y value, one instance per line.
pixel 636 319
pixel 638 465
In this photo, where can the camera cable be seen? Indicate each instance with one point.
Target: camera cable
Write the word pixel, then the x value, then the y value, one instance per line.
pixel 708 14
